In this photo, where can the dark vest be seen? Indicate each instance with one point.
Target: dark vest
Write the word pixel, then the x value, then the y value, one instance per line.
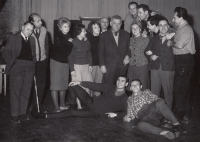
pixel 26 52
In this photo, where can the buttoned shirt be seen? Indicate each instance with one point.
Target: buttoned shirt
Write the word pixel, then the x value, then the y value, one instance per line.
pixel 184 38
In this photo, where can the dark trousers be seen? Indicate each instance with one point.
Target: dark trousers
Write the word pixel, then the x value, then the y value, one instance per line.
pixel 150 116
pixel 113 72
pixel 163 79
pixel 21 78
pixel 184 66
pixel 85 99
pixel 40 74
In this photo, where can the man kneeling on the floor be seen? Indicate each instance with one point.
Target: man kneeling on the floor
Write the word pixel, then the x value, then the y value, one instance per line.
pixel 112 102
pixel 150 109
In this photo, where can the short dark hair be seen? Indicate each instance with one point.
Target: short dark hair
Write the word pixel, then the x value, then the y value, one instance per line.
pixel 144 7
pixel 78 29
pixel 137 81
pixel 31 17
pixel 62 21
pixel 28 22
pixel 181 12
pixel 90 29
pixel 127 79
pixel 163 18
pixel 132 3
pixel 154 20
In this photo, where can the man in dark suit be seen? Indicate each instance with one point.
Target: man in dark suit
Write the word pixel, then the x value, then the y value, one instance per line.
pixel 114 51
pixel 160 53
pixel 19 54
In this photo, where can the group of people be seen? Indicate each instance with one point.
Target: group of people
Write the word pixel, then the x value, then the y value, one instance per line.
pixel 109 69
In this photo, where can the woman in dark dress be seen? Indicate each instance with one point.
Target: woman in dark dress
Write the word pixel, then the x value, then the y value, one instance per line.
pixel 93 33
pixel 59 67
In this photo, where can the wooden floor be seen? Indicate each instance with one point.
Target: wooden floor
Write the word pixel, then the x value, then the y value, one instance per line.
pixel 86 129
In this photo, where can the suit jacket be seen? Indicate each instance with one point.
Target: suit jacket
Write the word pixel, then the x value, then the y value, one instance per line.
pixel 165 53
pixel 13 49
pixel 110 54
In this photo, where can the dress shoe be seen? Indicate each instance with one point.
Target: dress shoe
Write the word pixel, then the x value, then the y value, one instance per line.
pixel 64 108
pixel 179 128
pixel 24 117
pixel 15 119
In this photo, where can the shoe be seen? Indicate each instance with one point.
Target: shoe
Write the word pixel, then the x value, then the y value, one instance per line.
pixel 179 128
pixel 24 117
pixel 172 135
pixel 15 119
pixel 64 108
pixel 40 115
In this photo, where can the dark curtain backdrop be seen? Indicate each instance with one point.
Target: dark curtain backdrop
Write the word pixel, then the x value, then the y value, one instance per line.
pixel 19 10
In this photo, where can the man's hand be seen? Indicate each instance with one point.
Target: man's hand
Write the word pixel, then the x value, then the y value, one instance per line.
pixel 90 68
pixel 73 83
pixel 144 34
pixel 169 43
pixel 127 119
pixel 154 57
pixel 170 35
pixel 126 60
pixel 103 69
pixel 111 114
pixel 73 73
pixel 70 39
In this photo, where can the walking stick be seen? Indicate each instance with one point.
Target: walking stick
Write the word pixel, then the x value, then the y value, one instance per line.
pixel 36 95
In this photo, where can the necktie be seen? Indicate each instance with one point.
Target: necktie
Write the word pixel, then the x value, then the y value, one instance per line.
pixel 37 35
pixel 26 39
pixel 115 33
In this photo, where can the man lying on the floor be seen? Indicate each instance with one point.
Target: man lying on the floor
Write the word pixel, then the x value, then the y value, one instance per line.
pixel 150 109
pixel 112 102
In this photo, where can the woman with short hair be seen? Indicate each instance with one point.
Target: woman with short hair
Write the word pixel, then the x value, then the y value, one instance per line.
pixel 59 67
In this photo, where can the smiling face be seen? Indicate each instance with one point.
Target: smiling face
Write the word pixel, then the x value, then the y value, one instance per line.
pixel 135 86
pixel 27 30
pixel 143 15
pixel 121 83
pixel 104 23
pixel 163 26
pixel 96 29
pixel 83 33
pixel 176 19
pixel 65 28
pixel 136 30
pixel 116 24
pixel 133 9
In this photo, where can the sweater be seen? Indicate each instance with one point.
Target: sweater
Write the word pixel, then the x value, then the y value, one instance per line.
pixel 62 48
pixel 137 47
pixel 80 54
pixel 107 101
pixel 94 41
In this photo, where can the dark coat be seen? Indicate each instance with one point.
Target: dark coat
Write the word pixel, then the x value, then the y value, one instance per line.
pixel 109 53
pixel 165 53
pixel 13 49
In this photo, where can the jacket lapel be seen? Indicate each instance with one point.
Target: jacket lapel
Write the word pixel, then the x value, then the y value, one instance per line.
pixel 18 44
pixel 112 39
